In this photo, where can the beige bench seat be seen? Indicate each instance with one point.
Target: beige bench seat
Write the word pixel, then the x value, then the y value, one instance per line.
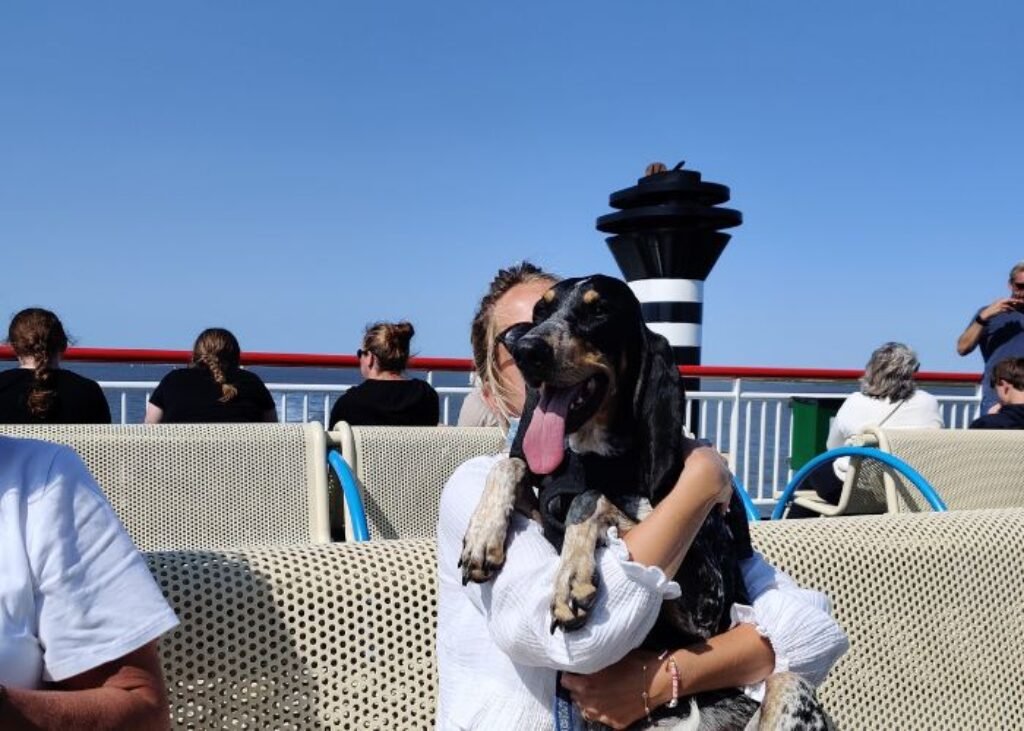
pixel 401 471
pixel 179 486
pixel 342 636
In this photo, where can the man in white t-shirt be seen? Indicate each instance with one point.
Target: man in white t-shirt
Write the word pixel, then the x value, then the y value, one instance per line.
pixel 80 614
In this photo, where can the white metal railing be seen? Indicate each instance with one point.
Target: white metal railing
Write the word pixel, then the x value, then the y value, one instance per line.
pixel 752 427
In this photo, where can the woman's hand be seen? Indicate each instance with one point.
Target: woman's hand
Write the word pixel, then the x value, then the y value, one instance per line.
pixel 737 657
pixel 613 696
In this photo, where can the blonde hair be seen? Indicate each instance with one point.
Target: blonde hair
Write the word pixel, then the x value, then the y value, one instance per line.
pixel 217 350
pixel 38 334
pixel 483 331
pixel 389 343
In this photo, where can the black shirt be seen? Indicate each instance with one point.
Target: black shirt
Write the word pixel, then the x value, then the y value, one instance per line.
pixel 79 400
pixel 1008 417
pixel 376 402
pixel 191 396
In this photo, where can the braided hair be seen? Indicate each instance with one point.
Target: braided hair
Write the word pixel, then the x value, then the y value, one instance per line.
pixel 38 334
pixel 216 349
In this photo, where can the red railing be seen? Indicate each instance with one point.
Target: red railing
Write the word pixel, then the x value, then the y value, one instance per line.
pixel 320 360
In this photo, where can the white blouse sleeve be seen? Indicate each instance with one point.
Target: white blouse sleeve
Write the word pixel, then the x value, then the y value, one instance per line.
pixel 796 621
pixel 95 598
pixel 516 602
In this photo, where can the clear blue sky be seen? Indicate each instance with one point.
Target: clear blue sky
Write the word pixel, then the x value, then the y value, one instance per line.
pixel 293 171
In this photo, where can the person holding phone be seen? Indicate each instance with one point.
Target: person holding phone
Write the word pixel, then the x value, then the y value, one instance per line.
pixel 999 330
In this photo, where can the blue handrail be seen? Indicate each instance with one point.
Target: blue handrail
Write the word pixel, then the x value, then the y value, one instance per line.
pixel 353 501
pixel 868 452
pixel 752 515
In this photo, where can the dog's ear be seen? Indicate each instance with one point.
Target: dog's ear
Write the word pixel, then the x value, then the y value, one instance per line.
pixel 532 399
pixel 658 414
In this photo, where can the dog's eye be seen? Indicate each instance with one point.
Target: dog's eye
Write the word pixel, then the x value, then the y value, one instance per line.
pixel 599 307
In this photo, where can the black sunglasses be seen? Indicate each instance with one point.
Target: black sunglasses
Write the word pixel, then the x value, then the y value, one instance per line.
pixel 360 352
pixel 1017 285
pixel 511 334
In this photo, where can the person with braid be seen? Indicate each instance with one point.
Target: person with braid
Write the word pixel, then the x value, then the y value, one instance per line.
pixel 214 389
pixel 39 390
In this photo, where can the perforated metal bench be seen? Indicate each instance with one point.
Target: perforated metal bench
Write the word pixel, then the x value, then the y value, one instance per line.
pixel 205 485
pixel 401 471
pixel 342 636
pixel 968 469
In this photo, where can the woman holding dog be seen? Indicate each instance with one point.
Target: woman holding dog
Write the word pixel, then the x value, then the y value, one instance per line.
pixel 498 662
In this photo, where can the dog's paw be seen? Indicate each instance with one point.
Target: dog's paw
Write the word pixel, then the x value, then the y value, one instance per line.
pixel 483 550
pixel 575 593
pixel 483 547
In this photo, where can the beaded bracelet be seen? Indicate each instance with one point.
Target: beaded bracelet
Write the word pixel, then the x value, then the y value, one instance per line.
pixel 674 671
pixel 643 693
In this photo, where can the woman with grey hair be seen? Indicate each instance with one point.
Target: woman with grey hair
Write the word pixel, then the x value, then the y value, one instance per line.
pixel 888 397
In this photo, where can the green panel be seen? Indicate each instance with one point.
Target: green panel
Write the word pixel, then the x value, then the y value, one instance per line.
pixel 811 419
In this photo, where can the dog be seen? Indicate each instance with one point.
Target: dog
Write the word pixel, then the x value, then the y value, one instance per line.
pixel 601 438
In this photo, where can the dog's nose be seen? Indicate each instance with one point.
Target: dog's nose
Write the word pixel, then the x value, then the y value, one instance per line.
pixel 534 356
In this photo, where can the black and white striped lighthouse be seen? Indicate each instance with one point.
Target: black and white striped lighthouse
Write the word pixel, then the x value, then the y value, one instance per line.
pixel 667 236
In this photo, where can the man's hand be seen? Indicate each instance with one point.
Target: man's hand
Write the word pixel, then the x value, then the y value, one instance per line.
pixel 1001 305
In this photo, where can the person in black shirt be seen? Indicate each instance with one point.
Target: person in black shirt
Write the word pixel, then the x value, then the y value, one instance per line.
pixel 1008 383
pixel 214 389
pixel 387 397
pixel 40 391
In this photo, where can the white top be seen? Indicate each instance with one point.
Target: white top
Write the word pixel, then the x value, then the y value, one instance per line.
pixel 74 591
pixel 497 659
pixel 920 411
pixel 475 411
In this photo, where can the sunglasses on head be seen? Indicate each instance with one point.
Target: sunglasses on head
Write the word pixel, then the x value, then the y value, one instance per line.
pixel 511 334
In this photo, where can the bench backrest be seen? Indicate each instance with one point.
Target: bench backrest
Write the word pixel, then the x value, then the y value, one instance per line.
pixel 338 636
pixel 180 486
pixel 970 469
pixel 932 605
pixel 402 470
pixel 342 636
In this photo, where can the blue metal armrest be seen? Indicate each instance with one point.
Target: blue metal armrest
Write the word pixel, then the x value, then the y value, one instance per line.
pixel 864 452
pixel 350 491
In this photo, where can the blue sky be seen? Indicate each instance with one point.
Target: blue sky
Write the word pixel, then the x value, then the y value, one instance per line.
pixel 293 171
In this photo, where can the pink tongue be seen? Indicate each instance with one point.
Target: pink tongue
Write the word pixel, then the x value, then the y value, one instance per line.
pixel 544 441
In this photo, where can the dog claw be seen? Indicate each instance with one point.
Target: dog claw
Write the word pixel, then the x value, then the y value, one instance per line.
pixel 480 566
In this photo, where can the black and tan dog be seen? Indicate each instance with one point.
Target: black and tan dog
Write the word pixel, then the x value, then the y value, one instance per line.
pixel 601 437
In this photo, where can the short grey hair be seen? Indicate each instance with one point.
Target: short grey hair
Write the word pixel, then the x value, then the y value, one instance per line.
pixel 890 372
pixel 1017 268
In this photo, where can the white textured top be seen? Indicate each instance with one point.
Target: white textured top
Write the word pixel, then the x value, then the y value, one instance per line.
pixel 74 591
pixel 920 411
pixel 497 659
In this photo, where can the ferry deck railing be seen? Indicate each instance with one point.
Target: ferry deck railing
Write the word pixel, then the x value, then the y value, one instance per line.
pixel 745 412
